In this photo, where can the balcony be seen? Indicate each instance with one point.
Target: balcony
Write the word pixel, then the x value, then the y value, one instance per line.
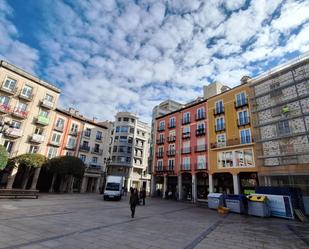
pixel 120 163
pixel 26 97
pixel 97 151
pixel 171 152
pixel 185 121
pixel 84 148
pixel 8 90
pixel 58 128
pixel 160 141
pixel 186 167
pixel 42 120
pixel 160 154
pixel 232 142
pixel 73 133
pixel 218 111
pixel 13 133
pixel 200 166
pixel 200 132
pixel 243 121
pixel 186 135
pixel 171 139
pixel 37 138
pixel 159 169
pixel 171 125
pixel 162 128
pixel 70 146
pixel 201 147
pixel 19 113
pixel 93 167
pixel 98 139
pixel 5 108
pixel 54 143
pixel 186 150
pixel 169 169
pixel 241 103
pixel 200 116
pixel 219 128
pixel 47 104
pixel 86 134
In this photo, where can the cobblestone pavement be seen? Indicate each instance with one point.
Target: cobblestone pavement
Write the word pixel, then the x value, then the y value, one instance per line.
pixel 86 221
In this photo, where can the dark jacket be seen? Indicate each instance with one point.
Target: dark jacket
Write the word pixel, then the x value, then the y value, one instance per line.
pixel 143 193
pixel 133 199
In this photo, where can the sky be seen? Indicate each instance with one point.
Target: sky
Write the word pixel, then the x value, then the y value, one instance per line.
pixel 122 55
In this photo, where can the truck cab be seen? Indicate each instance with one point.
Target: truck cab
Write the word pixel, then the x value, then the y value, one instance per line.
pixel 113 188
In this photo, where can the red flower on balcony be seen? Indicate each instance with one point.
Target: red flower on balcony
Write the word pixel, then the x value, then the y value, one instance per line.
pixel 5 107
pixel 21 113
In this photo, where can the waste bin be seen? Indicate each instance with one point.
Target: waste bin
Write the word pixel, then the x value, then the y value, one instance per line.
pixel 258 205
pixel 236 203
pixel 215 200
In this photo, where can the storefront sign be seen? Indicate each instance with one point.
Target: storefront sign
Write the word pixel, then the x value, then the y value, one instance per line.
pixel 280 206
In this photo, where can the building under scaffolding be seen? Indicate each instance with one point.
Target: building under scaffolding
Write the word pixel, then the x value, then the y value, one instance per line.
pixel 280 106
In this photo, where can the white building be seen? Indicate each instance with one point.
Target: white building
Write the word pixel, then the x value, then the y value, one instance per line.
pixel 130 150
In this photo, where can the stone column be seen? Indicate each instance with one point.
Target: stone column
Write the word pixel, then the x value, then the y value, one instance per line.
pixel 35 178
pixel 194 188
pixel 153 185
pixel 236 184
pixel 11 178
pixel 179 187
pixel 128 184
pixel 25 178
pixel 51 189
pixel 211 183
pixel 84 184
pixel 164 186
pixel 97 186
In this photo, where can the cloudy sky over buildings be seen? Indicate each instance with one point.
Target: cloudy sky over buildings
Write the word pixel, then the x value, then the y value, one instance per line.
pixel 113 55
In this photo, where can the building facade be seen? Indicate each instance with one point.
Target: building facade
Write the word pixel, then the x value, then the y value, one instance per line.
pixel 75 135
pixel 232 167
pixel 180 160
pixel 130 150
pixel 280 104
pixel 27 104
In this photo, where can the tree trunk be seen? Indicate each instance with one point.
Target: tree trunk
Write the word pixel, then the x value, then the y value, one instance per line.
pixel 25 178
pixel 11 178
pixel 71 182
pixel 63 184
pixel 51 189
pixel 35 178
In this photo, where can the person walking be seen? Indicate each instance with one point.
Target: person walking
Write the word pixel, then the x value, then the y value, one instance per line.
pixel 133 201
pixel 143 195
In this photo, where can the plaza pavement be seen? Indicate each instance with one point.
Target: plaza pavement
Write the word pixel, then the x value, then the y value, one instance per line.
pixel 86 221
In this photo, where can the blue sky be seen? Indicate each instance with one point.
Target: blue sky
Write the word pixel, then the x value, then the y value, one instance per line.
pixel 113 55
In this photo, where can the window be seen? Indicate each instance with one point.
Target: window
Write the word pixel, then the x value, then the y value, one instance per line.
pixel 124 129
pixel 27 91
pixel 71 142
pixel 119 119
pixel 74 128
pixel 49 98
pixel 60 123
pixel 186 118
pixel 241 99
pixel 221 140
pixel 219 107
pixel 161 125
pixel 186 130
pixel 9 84
pixel 130 140
pixel 99 135
pixel 172 122
pixel 94 160
pixel 125 119
pixel 21 107
pixel 171 147
pixel 33 149
pixel 171 163
pixel 186 163
pixel 220 124
pixel 85 144
pixel 117 129
pixel 43 113
pixel 69 153
pixel 245 136
pixel 116 138
pixel 236 158
pixel 4 100
pixel 132 120
pixel 186 147
pixel 87 132
pixel 283 127
pixel 200 113
pixel 159 165
pixel 201 145
pixel 200 127
pixel 115 149
pixel 56 138
pixel 161 138
pixel 52 152
pixel 275 89
pixel 123 139
pixel 201 162
pixel 243 117
pixel 8 145
pixel 131 130
pixel 15 124
pixel 38 131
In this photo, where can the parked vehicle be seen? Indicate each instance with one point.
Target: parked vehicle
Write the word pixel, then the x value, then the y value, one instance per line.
pixel 113 188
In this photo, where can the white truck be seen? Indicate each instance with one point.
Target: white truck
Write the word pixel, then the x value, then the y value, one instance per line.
pixel 113 188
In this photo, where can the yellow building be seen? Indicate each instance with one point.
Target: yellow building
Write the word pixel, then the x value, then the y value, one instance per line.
pixel 232 167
